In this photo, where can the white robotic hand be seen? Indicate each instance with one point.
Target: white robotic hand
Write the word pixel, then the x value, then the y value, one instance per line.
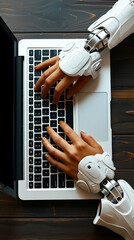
pixel 76 61
pixel 92 170
pixel 116 211
pixel 83 58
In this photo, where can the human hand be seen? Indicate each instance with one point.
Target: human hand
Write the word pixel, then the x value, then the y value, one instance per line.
pixel 68 156
pixel 53 74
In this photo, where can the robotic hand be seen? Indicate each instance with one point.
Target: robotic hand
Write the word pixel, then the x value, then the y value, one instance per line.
pixel 83 58
pixel 116 211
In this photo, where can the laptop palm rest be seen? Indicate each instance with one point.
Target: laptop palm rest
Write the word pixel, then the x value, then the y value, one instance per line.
pixel 93 114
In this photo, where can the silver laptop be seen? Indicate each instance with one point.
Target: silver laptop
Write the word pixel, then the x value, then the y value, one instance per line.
pixel 35 178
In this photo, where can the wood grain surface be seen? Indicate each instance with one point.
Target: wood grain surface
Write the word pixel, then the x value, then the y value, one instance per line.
pixel 55 220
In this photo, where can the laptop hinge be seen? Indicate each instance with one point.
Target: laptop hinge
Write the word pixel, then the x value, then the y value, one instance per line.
pixel 19 118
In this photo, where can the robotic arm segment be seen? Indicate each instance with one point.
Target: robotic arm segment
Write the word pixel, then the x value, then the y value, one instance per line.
pixel 116 210
pixel 118 22
pixel 118 217
pixel 108 31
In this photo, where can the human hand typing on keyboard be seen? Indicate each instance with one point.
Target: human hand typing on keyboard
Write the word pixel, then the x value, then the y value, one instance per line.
pixel 54 74
pixel 68 156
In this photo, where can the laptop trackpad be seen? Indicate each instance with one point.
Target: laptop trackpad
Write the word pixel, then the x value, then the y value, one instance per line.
pixel 93 115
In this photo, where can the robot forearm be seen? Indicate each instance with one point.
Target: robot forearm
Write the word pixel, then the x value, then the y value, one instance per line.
pixel 116 211
pixel 114 26
pixel 118 214
pixel 109 30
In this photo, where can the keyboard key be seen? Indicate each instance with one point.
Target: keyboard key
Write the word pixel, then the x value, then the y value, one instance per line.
pixel 30 151
pixel 70 184
pixel 37 129
pixel 30 101
pixel 53 115
pixel 30 177
pixel 54 181
pixel 30 135
pixel 52 91
pixel 45 52
pixel 30 76
pixel 30 126
pixel 37 54
pixel 44 59
pixel 30 60
pixel 46 135
pixel 37 145
pixel 37 137
pixel 30 143
pixel 37 169
pixel 37 96
pixel 53 53
pixel 30 117
pixel 37 161
pixel 61 98
pixel 35 80
pixel 69 113
pixel 31 185
pixel 45 172
pixel 45 111
pixel 30 109
pixel 45 182
pixel 37 120
pixel 37 112
pixel 61 180
pixel 30 52
pixel 60 105
pixel 60 113
pixel 30 84
pixel 30 168
pixel 30 160
pixel 30 68
pixel 46 164
pixel 45 119
pixel 44 127
pixel 37 178
pixel 53 169
pixel 45 103
pixel 36 63
pixel 37 153
pixel 53 107
pixel 30 93
pixel 37 73
pixel 53 123
pixel 37 105
pixel 37 185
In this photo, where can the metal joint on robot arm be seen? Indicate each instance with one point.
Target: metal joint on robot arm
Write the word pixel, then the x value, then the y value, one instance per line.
pixel 113 27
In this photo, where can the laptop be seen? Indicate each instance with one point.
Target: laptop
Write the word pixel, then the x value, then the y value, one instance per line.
pixel 24 171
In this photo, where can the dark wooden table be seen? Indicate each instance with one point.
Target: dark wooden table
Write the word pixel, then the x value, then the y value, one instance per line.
pixel 57 220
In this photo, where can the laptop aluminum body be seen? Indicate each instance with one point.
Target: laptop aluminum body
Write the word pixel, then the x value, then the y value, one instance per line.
pixel 91 114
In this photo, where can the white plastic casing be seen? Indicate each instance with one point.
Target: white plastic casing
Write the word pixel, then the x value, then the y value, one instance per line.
pixel 118 217
pixel 118 21
pixel 92 170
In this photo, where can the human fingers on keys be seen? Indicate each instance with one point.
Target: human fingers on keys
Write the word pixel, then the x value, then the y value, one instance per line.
pixel 68 156
pixel 54 74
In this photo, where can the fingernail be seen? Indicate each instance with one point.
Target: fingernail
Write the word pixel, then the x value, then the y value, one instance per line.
pixel 48 127
pixel 84 132
pixel 35 67
pixel 46 155
pixel 60 122
pixel 42 138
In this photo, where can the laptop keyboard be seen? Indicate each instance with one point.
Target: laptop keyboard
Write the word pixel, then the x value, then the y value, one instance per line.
pixel 43 113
